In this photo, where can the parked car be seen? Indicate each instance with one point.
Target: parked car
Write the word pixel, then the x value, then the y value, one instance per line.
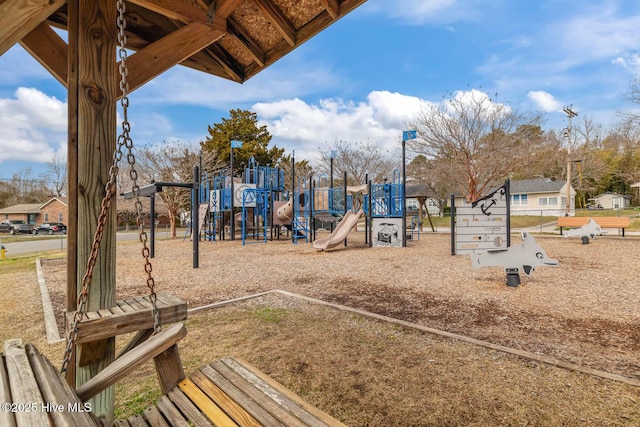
pixel 51 228
pixel 15 226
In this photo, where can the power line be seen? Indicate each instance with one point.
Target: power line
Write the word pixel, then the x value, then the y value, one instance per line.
pixel 31 180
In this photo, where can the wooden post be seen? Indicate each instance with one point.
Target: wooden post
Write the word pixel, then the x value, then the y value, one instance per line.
pixel 72 168
pixel 92 108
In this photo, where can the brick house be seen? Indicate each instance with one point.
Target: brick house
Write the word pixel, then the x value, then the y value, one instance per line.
pixel 53 210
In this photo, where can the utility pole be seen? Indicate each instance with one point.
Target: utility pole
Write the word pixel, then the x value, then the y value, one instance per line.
pixel 571 114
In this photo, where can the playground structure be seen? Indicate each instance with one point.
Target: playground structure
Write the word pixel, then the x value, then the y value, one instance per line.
pixel 250 199
pixel 262 208
pixel 382 206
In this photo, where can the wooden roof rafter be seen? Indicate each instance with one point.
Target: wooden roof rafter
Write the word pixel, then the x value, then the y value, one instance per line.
pixel 49 49
pixel 256 52
pixel 234 48
pixel 19 17
pixel 172 49
pixel 332 7
pixel 278 20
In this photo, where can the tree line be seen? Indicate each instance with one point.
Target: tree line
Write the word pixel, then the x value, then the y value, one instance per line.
pixel 465 145
pixel 470 143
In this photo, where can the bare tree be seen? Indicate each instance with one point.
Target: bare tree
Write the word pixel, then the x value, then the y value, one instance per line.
pixel 23 189
pixel 359 161
pixel 56 175
pixel 173 162
pixel 479 140
pixel 302 170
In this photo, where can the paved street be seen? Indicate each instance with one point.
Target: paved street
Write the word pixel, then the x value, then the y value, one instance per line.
pixel 39 244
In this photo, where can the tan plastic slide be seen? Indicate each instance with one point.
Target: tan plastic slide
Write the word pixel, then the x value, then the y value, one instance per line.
pixel 341 231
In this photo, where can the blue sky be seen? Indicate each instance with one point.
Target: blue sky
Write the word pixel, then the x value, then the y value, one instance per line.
pixel 365 77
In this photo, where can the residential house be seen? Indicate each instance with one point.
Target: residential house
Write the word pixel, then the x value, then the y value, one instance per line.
pixel 610 200
pixel 420 197
pixel 541 197
pixel 53 210
pixel 538 196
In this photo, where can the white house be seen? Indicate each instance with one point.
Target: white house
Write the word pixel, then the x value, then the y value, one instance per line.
pixel 538 196
pixel 610 200
pixel 542 197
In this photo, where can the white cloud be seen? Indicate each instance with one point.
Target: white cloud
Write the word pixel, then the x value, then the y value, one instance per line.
pixel 33 126
pixel 310 128
pixel 630 62
pixel 600 33
pixel 544 100
pixel 475 97
pixel 418 12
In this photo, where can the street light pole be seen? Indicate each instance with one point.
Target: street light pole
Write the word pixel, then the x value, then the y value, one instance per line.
pixel 571 114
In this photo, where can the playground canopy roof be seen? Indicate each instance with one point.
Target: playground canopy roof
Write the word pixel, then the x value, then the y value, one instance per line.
pixel 232 39
pixel 420 191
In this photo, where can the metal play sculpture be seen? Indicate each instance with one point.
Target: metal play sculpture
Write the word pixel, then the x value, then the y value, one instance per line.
pixel 523 257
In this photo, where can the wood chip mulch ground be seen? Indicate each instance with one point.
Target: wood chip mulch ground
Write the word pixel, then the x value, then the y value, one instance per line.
pixel 586 311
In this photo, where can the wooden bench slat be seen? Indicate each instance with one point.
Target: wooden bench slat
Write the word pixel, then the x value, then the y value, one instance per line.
pixel 121 367
pixel 605 222
pixel 154 417
pixel 90 315
pixel 96 327
pixel 124 306
pixel 144 301
pixel 136 305
pixel 6 418
pixel 137 421
pixel 206 405
pixel 230 401
pixel 328 419
pixel 272 406
pixel 56 391
pixel 167 299
pixel 171 413
pixel 23 384
pixel 274 393
pixel 122 423
pixel 188 408
pixel 116 310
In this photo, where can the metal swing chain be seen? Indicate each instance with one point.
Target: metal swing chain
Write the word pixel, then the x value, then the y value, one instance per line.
pixel 125 139
pixel 110 191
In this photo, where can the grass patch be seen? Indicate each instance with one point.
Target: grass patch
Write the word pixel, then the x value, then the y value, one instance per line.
pixel 139 396
pixel 377 374
pixel 19 263
pixel 270 315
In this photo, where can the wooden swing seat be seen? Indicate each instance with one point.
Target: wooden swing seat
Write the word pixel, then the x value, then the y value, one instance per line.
pixel 128 315
pixel 227 392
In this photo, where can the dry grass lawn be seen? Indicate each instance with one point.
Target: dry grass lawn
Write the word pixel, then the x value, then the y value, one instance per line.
pixel 375 373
